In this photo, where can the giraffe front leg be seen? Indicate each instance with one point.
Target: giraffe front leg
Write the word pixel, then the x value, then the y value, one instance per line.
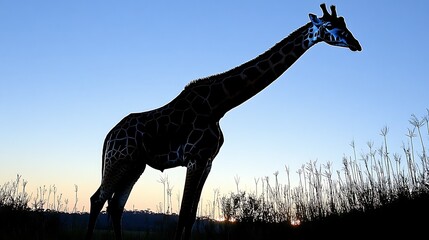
pixel 116 208
pixel 122 191
pixel 196 176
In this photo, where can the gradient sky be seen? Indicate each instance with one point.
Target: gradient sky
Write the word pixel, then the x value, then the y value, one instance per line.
pixel 70 70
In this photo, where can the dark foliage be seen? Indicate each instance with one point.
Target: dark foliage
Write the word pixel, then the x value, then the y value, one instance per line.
pixel 403 217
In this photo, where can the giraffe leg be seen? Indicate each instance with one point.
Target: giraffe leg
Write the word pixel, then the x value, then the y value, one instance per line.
pixel 117 203
pixel 97 204
pixel 115 210
pixel 194 183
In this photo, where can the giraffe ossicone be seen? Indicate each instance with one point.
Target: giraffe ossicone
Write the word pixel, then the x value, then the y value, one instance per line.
pixel 186 132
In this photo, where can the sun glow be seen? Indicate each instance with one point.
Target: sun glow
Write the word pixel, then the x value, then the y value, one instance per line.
pixel 223 219
pixel 295 222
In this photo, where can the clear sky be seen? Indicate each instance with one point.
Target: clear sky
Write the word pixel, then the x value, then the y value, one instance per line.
pixel 70 70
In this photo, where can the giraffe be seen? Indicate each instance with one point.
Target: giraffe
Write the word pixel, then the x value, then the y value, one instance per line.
pixel 186 132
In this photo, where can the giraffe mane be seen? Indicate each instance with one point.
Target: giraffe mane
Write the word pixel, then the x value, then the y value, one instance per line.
pixel 206 80
pixel 210 79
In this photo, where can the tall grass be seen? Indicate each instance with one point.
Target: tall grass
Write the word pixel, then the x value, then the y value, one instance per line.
pixel 14 196
pixel 374 179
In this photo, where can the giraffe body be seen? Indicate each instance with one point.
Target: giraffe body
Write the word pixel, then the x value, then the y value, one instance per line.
pixel 162 139
pixel 186 132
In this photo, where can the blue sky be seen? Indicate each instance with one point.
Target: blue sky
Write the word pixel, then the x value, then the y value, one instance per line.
pixel 70 70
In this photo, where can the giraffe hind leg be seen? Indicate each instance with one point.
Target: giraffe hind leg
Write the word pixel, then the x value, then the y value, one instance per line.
pixel 96 205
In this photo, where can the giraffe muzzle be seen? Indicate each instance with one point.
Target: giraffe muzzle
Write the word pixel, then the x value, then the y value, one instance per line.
pixel 354 45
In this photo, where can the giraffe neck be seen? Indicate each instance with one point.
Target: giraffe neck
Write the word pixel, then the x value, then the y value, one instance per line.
pixel 227 90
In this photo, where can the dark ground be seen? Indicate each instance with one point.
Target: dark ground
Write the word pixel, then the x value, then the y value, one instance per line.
pixel 404 219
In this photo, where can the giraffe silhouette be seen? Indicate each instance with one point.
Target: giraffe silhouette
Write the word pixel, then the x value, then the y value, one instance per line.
pixel 186 132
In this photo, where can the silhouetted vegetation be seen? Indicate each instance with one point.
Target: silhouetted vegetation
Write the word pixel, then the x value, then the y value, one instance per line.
pixel 376 179
pixel 377 194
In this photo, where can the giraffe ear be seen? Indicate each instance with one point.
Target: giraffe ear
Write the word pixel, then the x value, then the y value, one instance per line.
pixel 315 20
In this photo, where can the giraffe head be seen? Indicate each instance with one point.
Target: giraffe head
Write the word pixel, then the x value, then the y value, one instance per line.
pixel 332 29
